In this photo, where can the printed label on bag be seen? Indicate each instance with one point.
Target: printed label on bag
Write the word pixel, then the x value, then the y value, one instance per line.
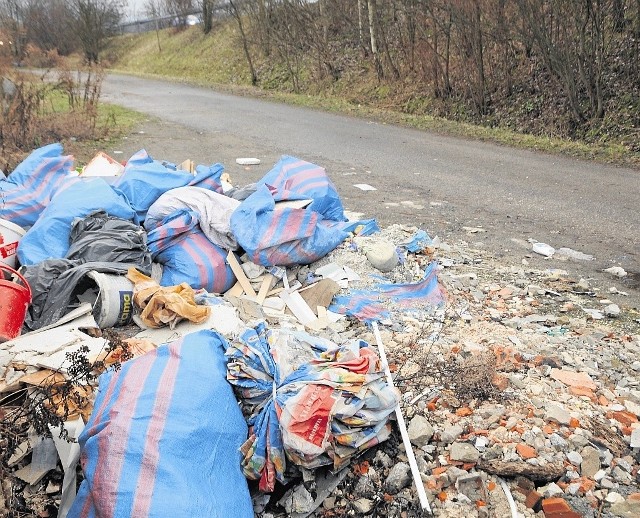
pixel 8 250
pixel 125 307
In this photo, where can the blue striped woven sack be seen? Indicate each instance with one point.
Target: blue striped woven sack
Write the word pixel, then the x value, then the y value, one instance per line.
pixel 188 256
pixel 164 436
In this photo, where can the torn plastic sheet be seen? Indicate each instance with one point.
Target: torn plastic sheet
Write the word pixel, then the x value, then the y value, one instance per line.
pixel 309 181
pixel 54 283
pixel 100 237
pixel 274 236
pixel 164 437
pixel 368 305
pixel 307 400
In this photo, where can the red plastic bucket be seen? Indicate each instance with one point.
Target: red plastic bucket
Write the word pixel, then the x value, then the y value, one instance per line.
pixel 14 301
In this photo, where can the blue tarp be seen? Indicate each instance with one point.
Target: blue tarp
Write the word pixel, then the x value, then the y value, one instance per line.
pixel 367 305
pixel 49 236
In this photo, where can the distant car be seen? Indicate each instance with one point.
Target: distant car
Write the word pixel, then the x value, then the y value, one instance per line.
pixel 193 19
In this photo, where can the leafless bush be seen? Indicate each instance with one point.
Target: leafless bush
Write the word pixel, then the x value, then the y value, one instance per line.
pixel 33 114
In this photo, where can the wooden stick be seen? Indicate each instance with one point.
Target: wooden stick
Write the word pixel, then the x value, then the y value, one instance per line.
pixel 239 273
pixel 264 288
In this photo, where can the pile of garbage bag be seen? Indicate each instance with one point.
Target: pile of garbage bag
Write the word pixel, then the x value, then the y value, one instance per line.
pixel 156 244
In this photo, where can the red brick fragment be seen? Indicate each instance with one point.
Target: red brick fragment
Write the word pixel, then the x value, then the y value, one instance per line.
pixel 558 508
pixel 525 451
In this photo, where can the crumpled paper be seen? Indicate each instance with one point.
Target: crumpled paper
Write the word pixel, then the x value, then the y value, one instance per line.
pixel 165 305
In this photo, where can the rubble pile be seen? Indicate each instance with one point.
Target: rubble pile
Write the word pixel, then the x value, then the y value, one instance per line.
pixel 380 372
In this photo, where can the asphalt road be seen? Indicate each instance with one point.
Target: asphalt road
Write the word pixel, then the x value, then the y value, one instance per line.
pixel 438 183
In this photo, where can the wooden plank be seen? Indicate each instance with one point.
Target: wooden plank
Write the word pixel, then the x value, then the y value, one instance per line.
pixel 264 288
pixel 235 290
pixel 239 273
pixel 299 307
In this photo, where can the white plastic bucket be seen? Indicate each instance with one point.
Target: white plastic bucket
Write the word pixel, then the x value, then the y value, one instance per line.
pixel 114 305
pixel 10 235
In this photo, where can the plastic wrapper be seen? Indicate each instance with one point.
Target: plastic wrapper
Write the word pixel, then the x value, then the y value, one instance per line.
pixel 306 399
pixel 369 305
pixel 100 237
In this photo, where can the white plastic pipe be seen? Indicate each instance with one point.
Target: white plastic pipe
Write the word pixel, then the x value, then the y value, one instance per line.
pixel 415 472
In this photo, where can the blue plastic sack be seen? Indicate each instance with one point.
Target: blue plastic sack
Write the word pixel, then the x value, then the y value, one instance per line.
pixel 283 237
pixel 30 187
pixel 188 256
pixel 164 437
pixel 307 400
pixel 144 180
pixel 48 238
pixel 309 181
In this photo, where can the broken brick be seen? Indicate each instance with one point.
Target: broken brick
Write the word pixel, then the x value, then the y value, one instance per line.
pixel 525 451
pixel 558 508
pixel 573 379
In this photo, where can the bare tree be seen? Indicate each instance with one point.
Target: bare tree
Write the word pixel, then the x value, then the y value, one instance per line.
pixel 179 9
pixel 94 21
pixel 154 9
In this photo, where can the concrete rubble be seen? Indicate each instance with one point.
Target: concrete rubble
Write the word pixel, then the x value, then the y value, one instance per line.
pixel 521 391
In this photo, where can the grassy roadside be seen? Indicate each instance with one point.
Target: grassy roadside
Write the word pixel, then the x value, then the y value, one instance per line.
pixel 216 61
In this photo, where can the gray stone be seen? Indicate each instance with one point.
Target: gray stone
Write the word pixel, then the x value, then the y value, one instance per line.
pixel 625 465
pixel 635 438
pixel 627 509
pixel 298 500
pixel 558 414
pixel 621 476
pixel 612 311
pixel 558 441
pixel 420 431
pixel 607 483
pixel 383 459
pixel 578 441
pixel 614 498
pixel 399 477
pixel 454 473
pixel 599 475
pixel 329 502
pixel 551 490
pixel 574 458
pixel 451 433
pixel 382 255
pixel 363 506
pixel 590 464
pixel 632 407
pixel 464 452
pixel 364 485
